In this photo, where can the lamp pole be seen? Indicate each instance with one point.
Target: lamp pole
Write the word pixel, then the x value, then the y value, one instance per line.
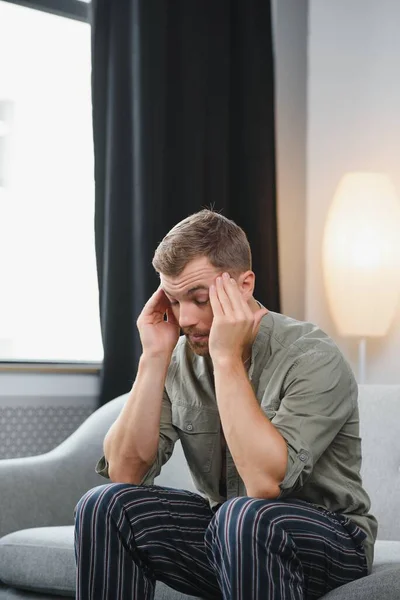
pixel 362 356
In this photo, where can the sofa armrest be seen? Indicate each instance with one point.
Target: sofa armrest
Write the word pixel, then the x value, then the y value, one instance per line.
pixel 40 491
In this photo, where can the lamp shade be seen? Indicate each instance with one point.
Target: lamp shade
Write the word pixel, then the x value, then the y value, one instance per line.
pixel 361 255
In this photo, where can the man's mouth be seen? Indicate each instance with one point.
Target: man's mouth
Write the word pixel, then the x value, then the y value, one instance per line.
pixel 198 338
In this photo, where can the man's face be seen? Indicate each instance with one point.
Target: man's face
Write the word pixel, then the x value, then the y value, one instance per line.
pixel 189 297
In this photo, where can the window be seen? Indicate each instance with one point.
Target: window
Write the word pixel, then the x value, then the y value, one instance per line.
pixel 48 283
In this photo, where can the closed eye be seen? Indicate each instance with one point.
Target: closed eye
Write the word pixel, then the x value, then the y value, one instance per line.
pixel 199 303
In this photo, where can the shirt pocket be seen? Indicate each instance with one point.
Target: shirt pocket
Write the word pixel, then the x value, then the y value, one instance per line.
pixel 198 431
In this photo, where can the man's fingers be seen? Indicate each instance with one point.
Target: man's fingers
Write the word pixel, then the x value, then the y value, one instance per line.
pixel 171 317
pixel 154 298
pixel 223 297
pixel 239 304
pixel 158 302
pixel 214 301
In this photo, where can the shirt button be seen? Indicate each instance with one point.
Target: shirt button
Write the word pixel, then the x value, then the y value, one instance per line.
pixel 303 456
pixel 189 427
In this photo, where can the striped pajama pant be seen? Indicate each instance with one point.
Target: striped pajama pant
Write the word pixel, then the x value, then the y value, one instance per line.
pixel 127 537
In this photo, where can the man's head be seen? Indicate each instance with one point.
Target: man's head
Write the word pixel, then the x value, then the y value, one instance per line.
pixel 189 259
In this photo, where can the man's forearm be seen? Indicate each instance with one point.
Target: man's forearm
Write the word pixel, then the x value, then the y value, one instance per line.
pixel 258 449
pixel 131 443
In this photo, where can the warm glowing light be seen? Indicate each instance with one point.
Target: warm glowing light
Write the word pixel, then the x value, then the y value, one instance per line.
pixel 361 255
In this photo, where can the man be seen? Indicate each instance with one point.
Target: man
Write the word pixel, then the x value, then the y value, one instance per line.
pixel 266 410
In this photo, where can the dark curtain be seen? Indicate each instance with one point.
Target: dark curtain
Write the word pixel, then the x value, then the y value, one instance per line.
pixel 183 117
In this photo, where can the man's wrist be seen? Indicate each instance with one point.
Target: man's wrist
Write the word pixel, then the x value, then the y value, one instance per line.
pixel 158 359
pixel 227 363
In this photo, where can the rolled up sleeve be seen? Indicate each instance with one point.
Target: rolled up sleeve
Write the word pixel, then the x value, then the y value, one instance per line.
pixel 320 393
pixel 166 443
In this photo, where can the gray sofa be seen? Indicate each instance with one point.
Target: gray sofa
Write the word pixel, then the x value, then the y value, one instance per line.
pixel 38 496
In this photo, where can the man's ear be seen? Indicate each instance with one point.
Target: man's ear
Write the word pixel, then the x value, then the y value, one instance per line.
pixel 246 282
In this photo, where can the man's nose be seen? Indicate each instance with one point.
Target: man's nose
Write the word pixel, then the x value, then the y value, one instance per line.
pixel 187 316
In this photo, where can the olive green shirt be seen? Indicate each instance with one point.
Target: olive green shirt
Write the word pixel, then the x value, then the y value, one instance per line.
pixel 305 388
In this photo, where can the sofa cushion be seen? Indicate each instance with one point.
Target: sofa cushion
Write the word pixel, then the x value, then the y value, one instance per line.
pixel 40 559
pixel 379 411
pixel 384 583
pixel 7 593
pixel 386 553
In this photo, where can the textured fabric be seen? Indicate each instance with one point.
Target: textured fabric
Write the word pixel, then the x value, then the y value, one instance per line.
pixel 183 118
pixel 386 553
pixel 39 559
pixel 128 537
pixel 163 592
pixel 383 585
pixel 7 593
pixel 307 390
pixel 52 423
pixel 380 428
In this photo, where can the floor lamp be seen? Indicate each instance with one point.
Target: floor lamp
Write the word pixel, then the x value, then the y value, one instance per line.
pixel 361 258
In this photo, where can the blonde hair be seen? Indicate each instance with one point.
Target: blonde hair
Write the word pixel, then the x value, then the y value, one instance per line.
pixel 205 233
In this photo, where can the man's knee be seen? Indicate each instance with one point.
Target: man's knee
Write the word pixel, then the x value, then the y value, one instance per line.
pixel 101 499
pixel 243 509
pixel 239 516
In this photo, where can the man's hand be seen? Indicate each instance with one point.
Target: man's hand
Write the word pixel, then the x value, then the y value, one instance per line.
pixel 234 325
pixel 158 337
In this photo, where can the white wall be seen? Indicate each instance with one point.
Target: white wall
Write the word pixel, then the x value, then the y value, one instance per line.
pixel 353 124
pixel 290 42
